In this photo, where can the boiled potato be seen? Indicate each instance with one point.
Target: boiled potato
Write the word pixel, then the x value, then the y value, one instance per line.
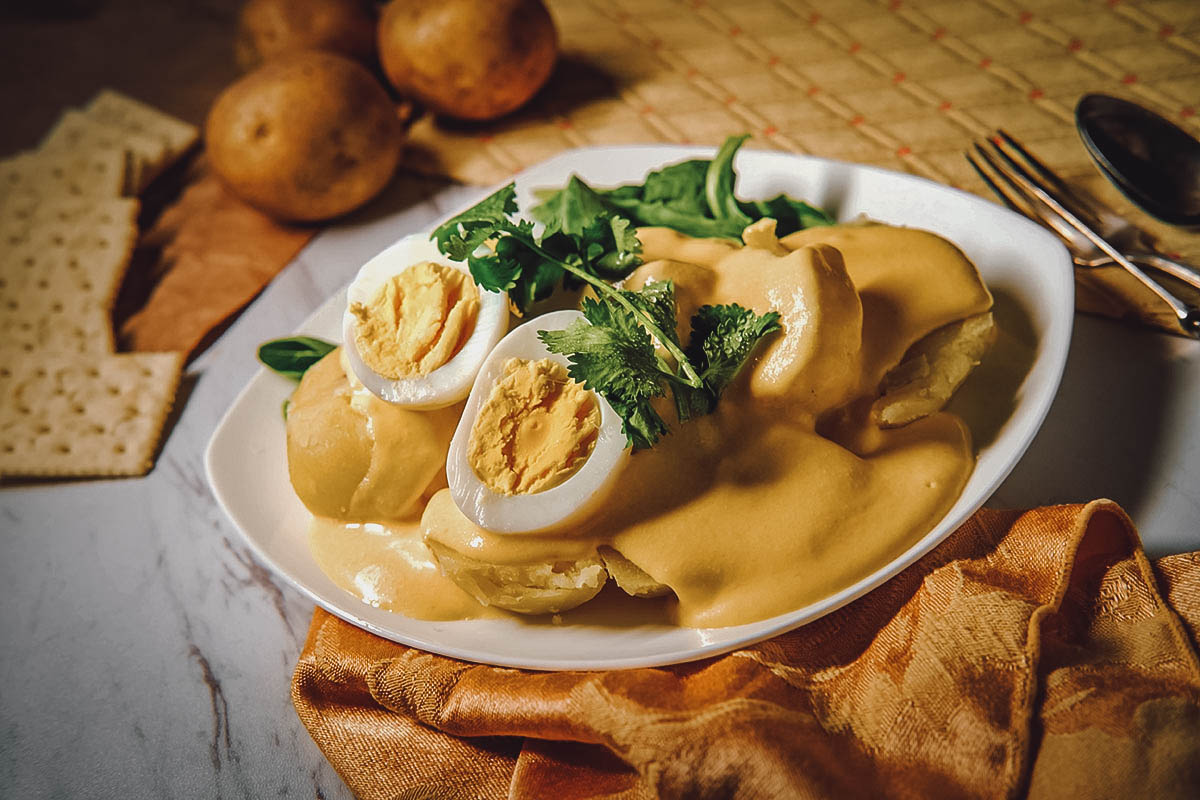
pixel 333 463
pixel 932 370
pixel 267 28
pixel 632 579
pixel 546 587
pixel 305 137
pixel 470 59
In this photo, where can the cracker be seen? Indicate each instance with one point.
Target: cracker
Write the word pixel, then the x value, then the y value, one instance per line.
pixel 79 415
pixel 121 111
pixel 75 210
pixel 56 327
pixel 70 258
pixel 18 219
pixel 87 172
pixel 146 154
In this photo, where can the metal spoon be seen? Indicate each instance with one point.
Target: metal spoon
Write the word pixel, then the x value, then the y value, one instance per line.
pixel 1153 162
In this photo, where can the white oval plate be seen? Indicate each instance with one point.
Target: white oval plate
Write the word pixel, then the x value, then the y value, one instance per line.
pixel 1021 262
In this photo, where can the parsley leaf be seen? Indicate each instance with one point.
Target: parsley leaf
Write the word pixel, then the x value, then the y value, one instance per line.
pixel 611 353
pixel 461 236
pixel 723 337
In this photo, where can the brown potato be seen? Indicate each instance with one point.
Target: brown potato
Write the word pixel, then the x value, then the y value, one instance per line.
pixel 305 137
pixel 268 28
pixel 470 59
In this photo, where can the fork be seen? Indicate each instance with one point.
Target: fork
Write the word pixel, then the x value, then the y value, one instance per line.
pixel 1048 201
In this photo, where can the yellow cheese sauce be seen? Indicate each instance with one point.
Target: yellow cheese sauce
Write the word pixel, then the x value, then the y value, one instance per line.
pixel 785 495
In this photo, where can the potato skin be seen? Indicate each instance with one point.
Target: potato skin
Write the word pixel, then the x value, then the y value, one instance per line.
pixel 305 137
pixel 268 28
pixel 470 59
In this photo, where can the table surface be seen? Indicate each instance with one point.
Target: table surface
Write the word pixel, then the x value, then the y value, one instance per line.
pixel 146 654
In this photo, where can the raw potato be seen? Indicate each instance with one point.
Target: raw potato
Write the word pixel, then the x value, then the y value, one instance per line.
pixel 305 137
pixel 470 59
pixel 268 28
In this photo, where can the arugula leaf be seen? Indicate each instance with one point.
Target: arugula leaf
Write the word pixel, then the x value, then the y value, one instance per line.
pixel 718 185
pixel 694 197
pixel 680 186
pixel 291 357
pixel 790 215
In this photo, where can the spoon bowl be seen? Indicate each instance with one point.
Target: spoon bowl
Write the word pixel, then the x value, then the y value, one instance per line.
pixel 1155 163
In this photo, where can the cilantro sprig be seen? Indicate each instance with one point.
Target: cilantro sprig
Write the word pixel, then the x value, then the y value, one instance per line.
pixel 610 352
pixel 615 348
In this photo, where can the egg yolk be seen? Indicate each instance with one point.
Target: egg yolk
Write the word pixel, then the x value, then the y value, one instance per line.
pixel 535 430
pixel 417 321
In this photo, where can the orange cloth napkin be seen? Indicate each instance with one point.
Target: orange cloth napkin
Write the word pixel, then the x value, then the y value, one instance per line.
pixel 1033 653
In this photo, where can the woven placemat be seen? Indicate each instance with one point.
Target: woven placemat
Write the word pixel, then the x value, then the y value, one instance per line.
pixel 902 84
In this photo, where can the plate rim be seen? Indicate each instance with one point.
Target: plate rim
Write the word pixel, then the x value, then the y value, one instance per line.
pixel 1053 348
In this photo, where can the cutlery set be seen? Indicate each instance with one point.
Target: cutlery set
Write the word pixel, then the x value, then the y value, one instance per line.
pixel 1154 163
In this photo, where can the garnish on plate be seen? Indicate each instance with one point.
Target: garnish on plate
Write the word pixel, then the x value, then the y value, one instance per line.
pixel 614 350
pixel 693 197
pixel 292 356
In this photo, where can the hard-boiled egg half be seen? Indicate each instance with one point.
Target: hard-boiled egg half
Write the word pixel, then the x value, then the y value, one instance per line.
pixel 417 328
pixel 534 450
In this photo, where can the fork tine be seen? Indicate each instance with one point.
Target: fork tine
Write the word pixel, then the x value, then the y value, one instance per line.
pixel 1033 161
pixel 1030 205
pixel 995 187
pixel 1065 194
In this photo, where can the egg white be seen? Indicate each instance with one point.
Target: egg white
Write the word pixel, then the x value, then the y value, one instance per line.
pixel 448 383
pixel 556 507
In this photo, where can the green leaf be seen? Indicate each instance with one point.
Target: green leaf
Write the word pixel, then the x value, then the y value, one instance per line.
pixel 695 197
pixel 680 186
pixel 494 273
pixel 657 299
pixel 572 209
pixel 723 338
pixel 789 215
pixel 609 248
pixel 610 352
pixel 670 216
pixel 719 182
pixel 291 357
pixel 461 236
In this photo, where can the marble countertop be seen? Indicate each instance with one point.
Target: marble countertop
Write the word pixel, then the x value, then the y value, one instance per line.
pixel 146 654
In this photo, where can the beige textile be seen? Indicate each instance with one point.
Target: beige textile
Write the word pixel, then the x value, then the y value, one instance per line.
pixel 1034 653
pixel 903 84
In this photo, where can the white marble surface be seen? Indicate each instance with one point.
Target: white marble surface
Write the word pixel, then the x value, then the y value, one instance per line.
pixel 143 653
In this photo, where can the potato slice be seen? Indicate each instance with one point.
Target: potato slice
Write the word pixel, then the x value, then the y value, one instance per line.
pixel 632 579
pixel 932 370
